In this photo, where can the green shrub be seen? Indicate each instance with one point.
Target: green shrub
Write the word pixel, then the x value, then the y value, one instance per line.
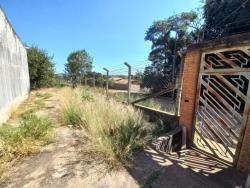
pixel 41 68
pixel 9 135
pixel 100 81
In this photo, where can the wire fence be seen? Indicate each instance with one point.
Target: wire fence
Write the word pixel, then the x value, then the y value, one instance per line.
pixel 138 84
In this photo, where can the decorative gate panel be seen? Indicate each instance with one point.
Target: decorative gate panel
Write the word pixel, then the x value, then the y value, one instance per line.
pixel 223 101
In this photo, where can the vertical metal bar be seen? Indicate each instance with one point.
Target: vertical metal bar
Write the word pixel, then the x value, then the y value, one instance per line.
pixel 179 86
pixel 94 81
pixel 129 81
pixel 85 80
pixel 174 62
pixel 107 80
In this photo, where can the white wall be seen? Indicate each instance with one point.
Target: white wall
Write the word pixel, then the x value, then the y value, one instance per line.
pixel 14 73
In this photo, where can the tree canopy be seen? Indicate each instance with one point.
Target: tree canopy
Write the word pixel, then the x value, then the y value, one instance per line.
pixel 226 17
pixel 41 68
pixel 167 37
pixel 78 65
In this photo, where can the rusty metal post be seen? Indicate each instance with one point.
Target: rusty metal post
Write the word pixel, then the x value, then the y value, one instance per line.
pixel 129 81
pixel 107 80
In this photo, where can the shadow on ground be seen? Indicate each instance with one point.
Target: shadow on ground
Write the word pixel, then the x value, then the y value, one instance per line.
pixel 191 168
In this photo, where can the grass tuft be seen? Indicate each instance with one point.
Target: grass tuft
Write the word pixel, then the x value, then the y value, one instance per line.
pixel 34 127
pixel 72 115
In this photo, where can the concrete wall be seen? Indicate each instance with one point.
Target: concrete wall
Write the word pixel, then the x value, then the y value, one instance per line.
pixel 14 73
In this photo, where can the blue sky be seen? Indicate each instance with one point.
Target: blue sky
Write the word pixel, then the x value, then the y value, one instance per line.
pixel 112 31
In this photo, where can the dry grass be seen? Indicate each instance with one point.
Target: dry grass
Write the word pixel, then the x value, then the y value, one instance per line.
pixel 111 129
pixel 153 103
pixel 35 102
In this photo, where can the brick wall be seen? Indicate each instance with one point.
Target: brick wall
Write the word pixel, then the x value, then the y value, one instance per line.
pixel 188 103
pixel 244 158
pixel 189 90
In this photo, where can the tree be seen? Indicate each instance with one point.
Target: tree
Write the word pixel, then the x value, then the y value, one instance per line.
pixel 41 68
pixel 226 17
pixel 78 65
pixel 167 37
pixel 138 76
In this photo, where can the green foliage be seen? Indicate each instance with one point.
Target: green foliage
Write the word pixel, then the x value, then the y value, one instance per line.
pixel 35 127
pixel 138 76
pixel 79 64
pixel 164 47
pixel 226 17
pixel 100 81
pixel 41 68
pixel 9 136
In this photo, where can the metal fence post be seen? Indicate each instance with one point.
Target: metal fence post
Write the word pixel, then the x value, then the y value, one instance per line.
pixel 174 62
pixel 129 81
pixel 107 80
pixel 85 81
pixel 94 82
pixel 179 85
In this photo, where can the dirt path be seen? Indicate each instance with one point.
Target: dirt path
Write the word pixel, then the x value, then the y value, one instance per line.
pixel 62 164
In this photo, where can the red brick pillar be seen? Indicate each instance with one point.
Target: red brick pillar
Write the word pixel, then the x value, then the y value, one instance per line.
pixel 243 163
pixel 189 90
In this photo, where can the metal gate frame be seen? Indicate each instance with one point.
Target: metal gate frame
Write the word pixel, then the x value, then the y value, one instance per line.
pixel 226 61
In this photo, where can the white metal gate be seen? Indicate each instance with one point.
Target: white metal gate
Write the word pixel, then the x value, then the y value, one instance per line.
pixel 223 101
